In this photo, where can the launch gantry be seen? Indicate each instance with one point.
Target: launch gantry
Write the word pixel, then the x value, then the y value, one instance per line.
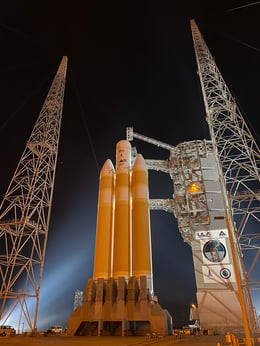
pixel 237 150
pixel 25 212
pixel 189 204
pixel 236 170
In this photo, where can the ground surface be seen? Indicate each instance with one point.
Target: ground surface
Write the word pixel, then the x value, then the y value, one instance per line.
pixel 20 340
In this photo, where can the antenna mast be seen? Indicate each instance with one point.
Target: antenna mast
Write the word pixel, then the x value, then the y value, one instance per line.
pixel 25 212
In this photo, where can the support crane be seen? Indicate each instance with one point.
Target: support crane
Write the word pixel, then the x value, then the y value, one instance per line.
pixel 25 212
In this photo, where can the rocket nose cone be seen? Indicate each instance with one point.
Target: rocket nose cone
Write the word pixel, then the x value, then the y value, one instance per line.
pixel 123 144
pixel 139 163
pixel 107 167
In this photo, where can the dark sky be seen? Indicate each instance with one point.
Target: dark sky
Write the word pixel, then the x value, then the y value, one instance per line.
pixel 130 63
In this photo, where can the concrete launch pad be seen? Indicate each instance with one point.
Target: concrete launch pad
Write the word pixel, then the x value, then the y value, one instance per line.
pixel 191 340
pixel 115 307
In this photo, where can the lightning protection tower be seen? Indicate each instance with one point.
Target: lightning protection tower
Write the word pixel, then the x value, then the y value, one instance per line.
pixel 216 203
pixel 25 212
pixel 238 159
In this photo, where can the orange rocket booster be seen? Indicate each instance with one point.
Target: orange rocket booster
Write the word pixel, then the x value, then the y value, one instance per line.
pixel 141 234
pixel 104 230
pixel 122 225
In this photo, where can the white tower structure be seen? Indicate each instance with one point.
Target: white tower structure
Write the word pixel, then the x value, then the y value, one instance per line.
pixel 78 298
pixel 25 212
pixel 237 152
pixel 238 161
pixel 216 202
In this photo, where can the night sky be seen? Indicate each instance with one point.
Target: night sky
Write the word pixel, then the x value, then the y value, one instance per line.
pixel 130 63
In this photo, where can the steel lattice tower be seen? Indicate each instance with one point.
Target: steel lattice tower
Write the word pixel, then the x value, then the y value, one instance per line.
pixel 238 158
pixel 216 200
pixel 25 211
pixel 236 148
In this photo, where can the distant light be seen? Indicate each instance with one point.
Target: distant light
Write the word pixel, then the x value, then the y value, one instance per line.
pixel 194 187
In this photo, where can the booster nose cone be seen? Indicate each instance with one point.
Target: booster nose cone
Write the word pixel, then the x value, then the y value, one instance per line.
pixel 139 163
pixel 107 168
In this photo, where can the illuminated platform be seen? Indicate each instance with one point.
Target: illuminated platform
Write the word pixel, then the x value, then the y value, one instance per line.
pixel 119 308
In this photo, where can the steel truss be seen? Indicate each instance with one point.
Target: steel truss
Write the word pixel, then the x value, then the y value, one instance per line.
pixel 25 212
pixel 237 151
pixel 238 159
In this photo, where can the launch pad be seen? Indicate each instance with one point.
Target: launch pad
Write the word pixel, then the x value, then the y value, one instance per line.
pixel 116 307
pixel 215 201
pixel 212 183
pixel 119 300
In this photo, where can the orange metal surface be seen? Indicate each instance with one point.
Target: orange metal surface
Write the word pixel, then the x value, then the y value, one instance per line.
pixel 104 231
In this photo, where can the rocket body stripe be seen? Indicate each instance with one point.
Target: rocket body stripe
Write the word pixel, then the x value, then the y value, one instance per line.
pixel 141 234
pixel 122 222
pixel 104 231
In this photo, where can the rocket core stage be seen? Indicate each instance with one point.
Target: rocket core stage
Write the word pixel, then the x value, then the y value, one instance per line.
pixel 123 237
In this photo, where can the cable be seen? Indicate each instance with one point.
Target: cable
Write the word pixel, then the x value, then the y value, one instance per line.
pixel 239 7
pixel 83 118
pixel 24 102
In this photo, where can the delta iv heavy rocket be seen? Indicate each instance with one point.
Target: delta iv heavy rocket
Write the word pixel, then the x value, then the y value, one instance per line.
pixel 123 221
pixel 119 298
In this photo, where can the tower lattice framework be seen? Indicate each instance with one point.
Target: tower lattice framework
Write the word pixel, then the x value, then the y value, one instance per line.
pixel 25 212
pixel 238 155
pixel 237 158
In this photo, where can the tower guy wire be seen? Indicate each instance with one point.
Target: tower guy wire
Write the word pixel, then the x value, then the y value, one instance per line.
pixel 84 121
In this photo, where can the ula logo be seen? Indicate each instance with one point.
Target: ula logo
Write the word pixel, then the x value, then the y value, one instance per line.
pixel 212 234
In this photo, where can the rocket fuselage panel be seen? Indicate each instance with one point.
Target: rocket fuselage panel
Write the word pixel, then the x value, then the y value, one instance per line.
pixel 122 223
pixel 104 230
pixel 141 237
